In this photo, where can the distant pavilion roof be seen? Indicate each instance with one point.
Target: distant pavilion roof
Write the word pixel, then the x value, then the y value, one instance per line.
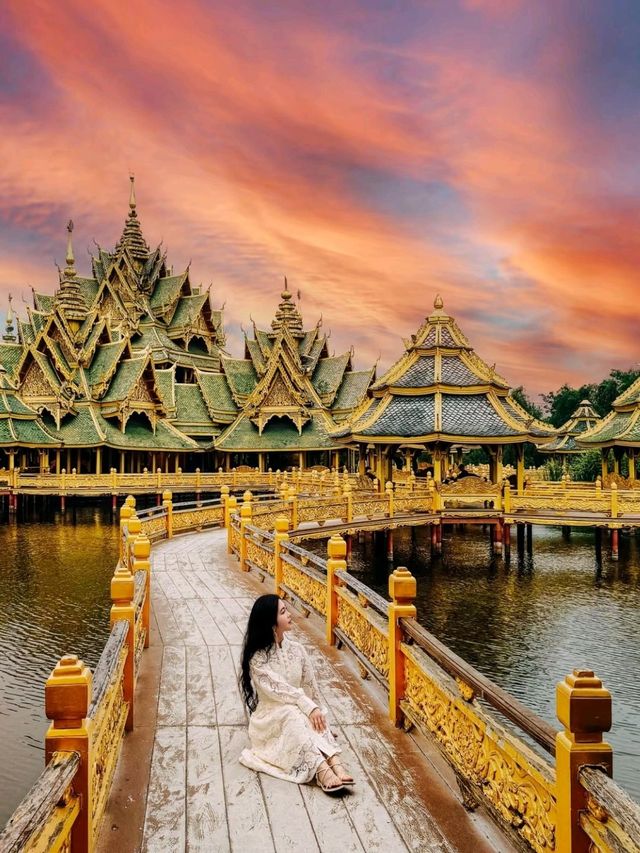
pixel 621 427
pixel 439 390
pixel 583 419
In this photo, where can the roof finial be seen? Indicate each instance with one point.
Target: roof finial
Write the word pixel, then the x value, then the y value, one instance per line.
pixel 438 304
pixel 9 336
pixel 70 270
pixel 132 194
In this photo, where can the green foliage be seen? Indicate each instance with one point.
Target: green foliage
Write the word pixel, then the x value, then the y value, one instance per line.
pixel 521 397
pixel 554 468
pixel 561 404
pixel 586 466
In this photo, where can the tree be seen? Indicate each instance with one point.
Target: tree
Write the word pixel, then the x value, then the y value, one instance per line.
pixel 561 404
pixel 606 392
pixel 522 398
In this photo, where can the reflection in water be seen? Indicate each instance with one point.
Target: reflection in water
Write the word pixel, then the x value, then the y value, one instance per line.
pixel 529 621
pixel 54 599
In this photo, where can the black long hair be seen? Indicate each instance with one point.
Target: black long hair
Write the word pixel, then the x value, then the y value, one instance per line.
pixel 259 636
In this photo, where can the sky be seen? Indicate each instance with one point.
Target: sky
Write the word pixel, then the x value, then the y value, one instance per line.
pixel 375 152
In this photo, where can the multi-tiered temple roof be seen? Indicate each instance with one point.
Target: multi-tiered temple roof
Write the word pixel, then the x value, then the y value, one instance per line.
pixel 441 391
pixel 290 391
pixel 584 418
pixel 132 358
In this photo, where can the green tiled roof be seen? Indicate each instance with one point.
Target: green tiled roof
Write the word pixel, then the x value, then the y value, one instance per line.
pixel 256 354
pixel 615 425
pixel 307 341
pixel 12 405
pixel 47 369
pixel 216 393
pixel 328 375
pixel 128 373
pixel 167 290
pixel 104 361
pixel 31 432
pixel 27 334
pixel 10 355
pixel 187 311
pixel 43 302
pixel 263 340
pixel 139 437
pixel 88 289
pixel 165 380
pixel 354 387
pixel 81 429
pixel 190 407
pixel 315 352
pixel 38 320
pixel 240 374
pixel 631 395
pixel 278 434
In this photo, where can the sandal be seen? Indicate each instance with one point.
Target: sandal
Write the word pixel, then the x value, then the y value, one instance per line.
pixel 321 774
pixel 341 772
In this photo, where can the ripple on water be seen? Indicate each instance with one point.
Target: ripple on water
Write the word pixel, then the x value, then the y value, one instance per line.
pixel 54 599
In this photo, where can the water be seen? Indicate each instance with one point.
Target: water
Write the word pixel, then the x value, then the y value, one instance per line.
pixel 525 624
pixel 54 599
pixel 529 622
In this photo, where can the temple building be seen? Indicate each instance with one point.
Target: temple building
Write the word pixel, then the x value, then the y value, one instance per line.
pixel 566 441
pixel 440 396
pixel 617 434
pixel 127 369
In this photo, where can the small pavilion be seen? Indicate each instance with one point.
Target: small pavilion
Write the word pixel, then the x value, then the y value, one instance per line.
pixel 617 434
pixel 440 395
pixel 565 442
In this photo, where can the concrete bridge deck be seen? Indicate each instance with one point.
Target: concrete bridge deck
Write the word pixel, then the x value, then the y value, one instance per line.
pixel 179 785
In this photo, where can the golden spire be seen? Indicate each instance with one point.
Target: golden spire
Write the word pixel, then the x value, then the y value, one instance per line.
pixel 9 336
pixel 438 304
pixel 70 270
pixel 287 314
pixel 132 238
pixel 132 192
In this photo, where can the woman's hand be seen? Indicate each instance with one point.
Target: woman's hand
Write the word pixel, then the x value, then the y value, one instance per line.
pixel 317 721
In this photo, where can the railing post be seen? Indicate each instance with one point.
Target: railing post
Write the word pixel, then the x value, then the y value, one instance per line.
pixel 67 696
pixel 348 496
pixel 141 562
pixel 614 500
pixel 246 515
pixel 126 512
pixel 337 551
pixel 402 591
pixel 122 592
pixel 224 498
pixel 293 504
pixel 389 490
pixel 167 503
pixel 281 534
pixel 583 707
pixel 232 505
pixel 158 478
pixel 114 481
pixel 198 480
pixel 507 497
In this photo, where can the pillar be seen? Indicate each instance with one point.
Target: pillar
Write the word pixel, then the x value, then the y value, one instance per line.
pixel 57 462
pixel 520 469
pixel 281 534
pixel 604 462
pixel 301 460
pixel 98 460
pixel 122 592
pixel 402 591
pixel 631 454
pixel 615 535
pixel 261 462
pixel 336 550
pixel 122 461
pixel 583 707
pixel 67 696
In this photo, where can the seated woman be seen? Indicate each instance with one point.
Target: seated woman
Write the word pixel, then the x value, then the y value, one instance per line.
pixel 289 735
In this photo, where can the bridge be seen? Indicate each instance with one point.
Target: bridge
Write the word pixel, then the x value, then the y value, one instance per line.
pixel 445 759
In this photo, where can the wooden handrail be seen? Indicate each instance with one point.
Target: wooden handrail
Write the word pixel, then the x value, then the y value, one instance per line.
pixel 533 725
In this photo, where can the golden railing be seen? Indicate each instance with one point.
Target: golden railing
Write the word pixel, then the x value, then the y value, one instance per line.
pixel 89 715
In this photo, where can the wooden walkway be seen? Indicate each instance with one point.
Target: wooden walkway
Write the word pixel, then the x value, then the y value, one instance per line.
pixel 179 785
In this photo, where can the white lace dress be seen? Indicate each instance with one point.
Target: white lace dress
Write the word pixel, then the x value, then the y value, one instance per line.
pixel 283 742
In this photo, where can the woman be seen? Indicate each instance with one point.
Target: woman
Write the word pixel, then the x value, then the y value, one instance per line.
pixel 289 735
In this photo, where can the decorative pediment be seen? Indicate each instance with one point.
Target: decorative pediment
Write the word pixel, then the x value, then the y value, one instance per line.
pixel 35 384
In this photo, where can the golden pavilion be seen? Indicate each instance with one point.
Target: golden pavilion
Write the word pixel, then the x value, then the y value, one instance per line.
pixel 617 434
pixel 441 397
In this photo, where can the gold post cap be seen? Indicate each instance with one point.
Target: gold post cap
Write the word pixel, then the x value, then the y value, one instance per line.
pixel 583 705
pixel 282 524
pixel 130 501
pixel 122 586
pixel 67 693
pixel 166 496
pixel 402 586
pixel 337 547
pixel 141 547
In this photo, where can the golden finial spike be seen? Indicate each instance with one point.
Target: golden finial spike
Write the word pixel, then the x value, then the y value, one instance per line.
pixel 132 194
pixel 438 304
pixel 10 311
pixel 70 259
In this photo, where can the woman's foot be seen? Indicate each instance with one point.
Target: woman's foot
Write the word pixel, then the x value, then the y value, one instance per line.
pixel 340 770
pixel 328 780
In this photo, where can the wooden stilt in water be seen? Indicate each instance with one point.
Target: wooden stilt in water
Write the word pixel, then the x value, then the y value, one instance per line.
pixel 520 538
pixel 506 536
pixel 497 538
pixel 438 539
pixel 390 546
pixel 434 538
pixel 349 541
pixel 63 503
pixel 529 538
pixel 615 533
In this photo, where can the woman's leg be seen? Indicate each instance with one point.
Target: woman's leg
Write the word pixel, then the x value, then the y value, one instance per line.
pixel 340 770
pixel 327 778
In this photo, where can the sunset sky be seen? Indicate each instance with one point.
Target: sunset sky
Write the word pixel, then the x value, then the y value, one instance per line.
pixel 374 152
